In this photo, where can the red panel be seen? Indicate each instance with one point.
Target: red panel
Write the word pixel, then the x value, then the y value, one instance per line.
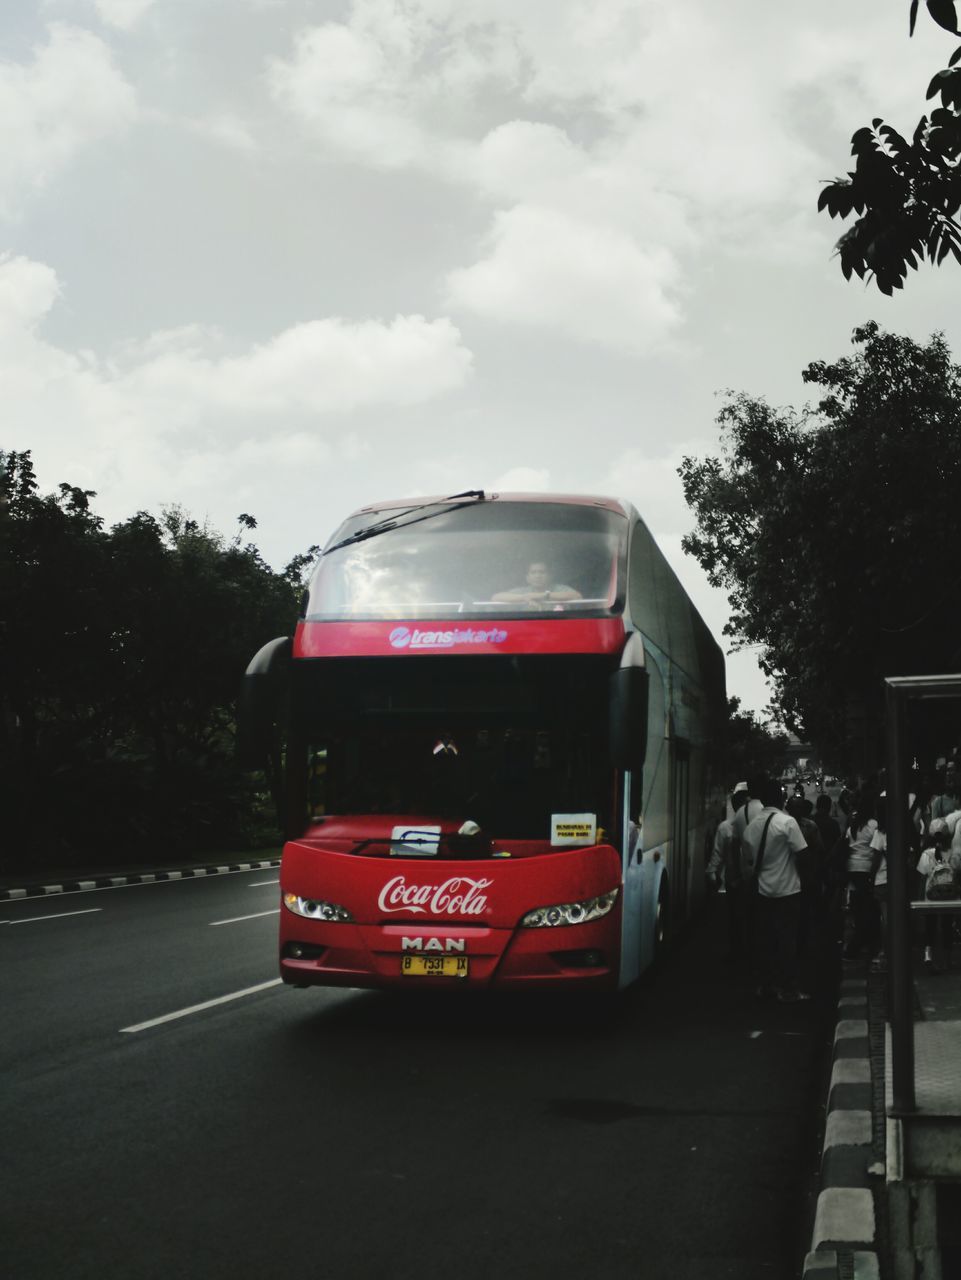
pixel 506 635
pixel 403 904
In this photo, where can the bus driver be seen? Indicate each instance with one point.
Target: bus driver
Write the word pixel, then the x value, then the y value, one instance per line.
pixel 539 589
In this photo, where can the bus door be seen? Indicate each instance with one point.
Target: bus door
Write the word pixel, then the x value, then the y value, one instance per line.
pixel 680 833
pixel 632 846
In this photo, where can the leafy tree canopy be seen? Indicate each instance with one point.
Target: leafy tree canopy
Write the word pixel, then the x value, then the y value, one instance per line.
pixel 835 530
pixel 122 652
pixel 906 194
pixel 752 747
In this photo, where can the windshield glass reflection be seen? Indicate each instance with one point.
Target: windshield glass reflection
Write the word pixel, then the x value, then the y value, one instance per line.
pixel 486 559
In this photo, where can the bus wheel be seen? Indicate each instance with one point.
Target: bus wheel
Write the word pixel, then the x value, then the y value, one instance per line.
pixel 661 913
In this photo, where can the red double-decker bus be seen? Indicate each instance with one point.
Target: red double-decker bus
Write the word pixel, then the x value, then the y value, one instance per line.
pixel 496 716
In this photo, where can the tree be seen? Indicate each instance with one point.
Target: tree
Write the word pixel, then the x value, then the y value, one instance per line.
pixel 836 532
pixel 53 643
pixel 907 195
pixel 751 747
pixel 122 653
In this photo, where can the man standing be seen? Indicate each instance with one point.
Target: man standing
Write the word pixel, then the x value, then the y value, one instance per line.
pixel 726 861
pixel 772 842
pixel 754 787
pixel 950 799
pixel 829 829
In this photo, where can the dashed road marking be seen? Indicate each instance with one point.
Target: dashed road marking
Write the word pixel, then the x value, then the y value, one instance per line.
pixel 197 1008
pixel 236 919
pixel 58 916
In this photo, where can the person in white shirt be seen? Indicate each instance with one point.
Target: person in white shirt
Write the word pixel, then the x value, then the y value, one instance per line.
pixel 772 842
pixel 879 846
pixel 950 798
pixel 938 849
pixel 863 862
pixel 754 786
pixel 725 861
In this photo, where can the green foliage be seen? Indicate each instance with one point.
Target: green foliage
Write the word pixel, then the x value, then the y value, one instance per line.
pixel 122 653
pixel 752 747
pixel 907 195
pixel 835 530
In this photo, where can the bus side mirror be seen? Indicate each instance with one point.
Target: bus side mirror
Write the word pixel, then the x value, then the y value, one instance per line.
pixel 260 707
pixel 628 718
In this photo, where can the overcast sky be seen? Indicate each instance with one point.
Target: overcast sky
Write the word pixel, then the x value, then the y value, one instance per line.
pixel 288 257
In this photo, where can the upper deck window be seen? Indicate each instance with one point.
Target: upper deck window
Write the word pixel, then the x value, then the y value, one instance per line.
pixel 488 558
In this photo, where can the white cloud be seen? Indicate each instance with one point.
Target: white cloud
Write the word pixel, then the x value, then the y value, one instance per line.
pixel 399 84
pixel 321 366
pixel 347 89
pixel 175 411
pixel 693 139
pixel 27 292
pixel 699 127
pixel 122 14
pixel 526 160
pixel 225 129
pixel 588 281
pixel 354 447
pixel 650 480
pixel 675 92
pixel 523 480
pixel 68 97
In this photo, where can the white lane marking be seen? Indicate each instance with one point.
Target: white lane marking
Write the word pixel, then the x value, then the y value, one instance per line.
pixel 260 884
pixel 207 1004
pixel 59 916
pixel 237 919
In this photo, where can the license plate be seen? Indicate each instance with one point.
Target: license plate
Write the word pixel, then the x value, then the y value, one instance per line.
pixel 433 966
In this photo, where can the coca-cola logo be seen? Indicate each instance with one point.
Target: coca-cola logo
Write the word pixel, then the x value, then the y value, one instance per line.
pixel 458 896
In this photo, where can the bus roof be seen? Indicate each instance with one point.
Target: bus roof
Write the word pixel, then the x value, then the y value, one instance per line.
pixel 564 499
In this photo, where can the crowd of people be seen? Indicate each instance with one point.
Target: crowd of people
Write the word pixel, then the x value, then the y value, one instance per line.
pixel 802 877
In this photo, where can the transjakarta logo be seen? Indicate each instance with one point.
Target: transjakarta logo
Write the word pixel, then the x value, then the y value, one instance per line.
pixel 403 637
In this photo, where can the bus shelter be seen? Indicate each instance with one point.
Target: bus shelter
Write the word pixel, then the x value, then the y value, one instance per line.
pixel 923 1062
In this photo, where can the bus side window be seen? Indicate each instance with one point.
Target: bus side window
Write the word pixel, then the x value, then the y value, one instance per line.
pixel 635 797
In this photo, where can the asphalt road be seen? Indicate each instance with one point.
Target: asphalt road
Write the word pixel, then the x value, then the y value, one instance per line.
pixel 346 1134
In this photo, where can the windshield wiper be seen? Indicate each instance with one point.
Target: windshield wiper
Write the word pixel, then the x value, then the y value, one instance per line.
pixel 360 845
pixel 397 521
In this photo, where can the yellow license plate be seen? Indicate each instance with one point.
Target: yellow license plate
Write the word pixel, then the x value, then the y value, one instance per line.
pixel 434 966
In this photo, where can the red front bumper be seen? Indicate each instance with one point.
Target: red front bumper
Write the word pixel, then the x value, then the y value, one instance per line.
pixel 406 907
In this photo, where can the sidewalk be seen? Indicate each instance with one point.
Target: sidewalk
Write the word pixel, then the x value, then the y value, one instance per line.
pixel 42 883
pixel 891 1199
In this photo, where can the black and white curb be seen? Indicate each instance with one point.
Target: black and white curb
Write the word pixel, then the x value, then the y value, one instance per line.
pixel 143 877
pixel 843 1245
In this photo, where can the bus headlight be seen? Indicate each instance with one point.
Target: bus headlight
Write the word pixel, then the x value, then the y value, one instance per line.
pixel 570 912
pixel 314 910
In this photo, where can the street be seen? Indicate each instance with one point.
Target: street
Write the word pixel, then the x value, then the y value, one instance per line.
pixel 344 1134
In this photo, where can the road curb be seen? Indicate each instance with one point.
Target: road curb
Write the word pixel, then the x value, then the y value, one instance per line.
pixel 144 877
pixel 843 1243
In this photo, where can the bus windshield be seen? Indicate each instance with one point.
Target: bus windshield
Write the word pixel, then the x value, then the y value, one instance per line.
pixel 500 742
pixel 508 781
pixel 477 560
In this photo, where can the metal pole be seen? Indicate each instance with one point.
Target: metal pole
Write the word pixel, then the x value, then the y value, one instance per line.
pixel 899 911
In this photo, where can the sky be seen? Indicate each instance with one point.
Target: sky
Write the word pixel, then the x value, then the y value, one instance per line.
pixel 290 257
